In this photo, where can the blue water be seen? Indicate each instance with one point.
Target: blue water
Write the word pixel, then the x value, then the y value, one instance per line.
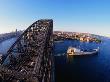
pixel 5 45
pixel 77 69
pixel 82 69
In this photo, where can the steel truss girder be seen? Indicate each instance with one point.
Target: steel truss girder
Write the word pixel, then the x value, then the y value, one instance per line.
pixel 30 57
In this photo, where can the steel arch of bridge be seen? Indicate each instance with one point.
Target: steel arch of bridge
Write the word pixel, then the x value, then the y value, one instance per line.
pixel 30 57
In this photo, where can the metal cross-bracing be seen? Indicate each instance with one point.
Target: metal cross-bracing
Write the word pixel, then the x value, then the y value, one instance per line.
pixel 30 58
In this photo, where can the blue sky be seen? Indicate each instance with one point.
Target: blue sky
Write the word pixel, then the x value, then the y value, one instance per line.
pixel 91 16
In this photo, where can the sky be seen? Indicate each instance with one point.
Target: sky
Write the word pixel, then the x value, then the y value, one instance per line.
pixel 88 16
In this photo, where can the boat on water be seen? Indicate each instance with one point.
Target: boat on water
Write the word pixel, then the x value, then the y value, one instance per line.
pixel 59 41
pixel 72 51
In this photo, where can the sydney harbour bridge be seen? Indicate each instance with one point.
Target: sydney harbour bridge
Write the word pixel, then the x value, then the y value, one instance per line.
pixel 30 58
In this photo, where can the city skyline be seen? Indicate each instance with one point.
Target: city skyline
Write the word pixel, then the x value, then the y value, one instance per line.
pixel 88 16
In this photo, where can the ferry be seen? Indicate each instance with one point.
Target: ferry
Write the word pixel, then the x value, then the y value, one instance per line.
pixel 72 51
pixel 59 41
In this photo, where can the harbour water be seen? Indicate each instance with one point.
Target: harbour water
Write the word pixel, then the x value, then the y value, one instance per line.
pixel 5 45
pixel 77 69
pixel 85 68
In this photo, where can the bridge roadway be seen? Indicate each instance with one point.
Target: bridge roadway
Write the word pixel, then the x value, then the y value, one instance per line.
pixel 30 57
